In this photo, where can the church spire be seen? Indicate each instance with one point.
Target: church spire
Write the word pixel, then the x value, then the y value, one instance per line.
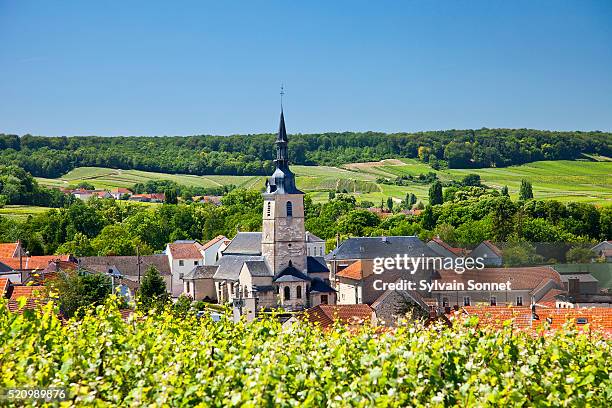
pixel 283 180
pixel 282 155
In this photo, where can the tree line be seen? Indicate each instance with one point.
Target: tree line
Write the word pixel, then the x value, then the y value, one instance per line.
pixel 253 154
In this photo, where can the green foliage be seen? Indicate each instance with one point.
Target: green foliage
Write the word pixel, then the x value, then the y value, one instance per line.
pixel 526 191
pixel 579 254
pixel 78 291
pixel 158 359
pixel 152 290
pixel 435 194
pixel 471 180
pixel 521 254
pixel 504 191
pixel 17 186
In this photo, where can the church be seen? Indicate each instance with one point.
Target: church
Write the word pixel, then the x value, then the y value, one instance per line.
pixel 274 267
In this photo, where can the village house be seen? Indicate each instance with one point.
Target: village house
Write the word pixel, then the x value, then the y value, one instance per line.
pixel 603 250
pixel 315 246
pixel 120 193
pixel 325 316
pixel 199 285
pixel 445 250
pixel 148 197
pixel 491 254
pixel 352 265
pixel 183 256
pixel 130 269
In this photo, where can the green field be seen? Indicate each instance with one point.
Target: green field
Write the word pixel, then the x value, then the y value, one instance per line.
pixel 584 181
pixel 21 211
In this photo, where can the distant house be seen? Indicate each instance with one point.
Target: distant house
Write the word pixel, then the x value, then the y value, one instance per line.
pixel 148 198
pixel 129 267
pixel 491 254
pixel 210 250
pixel 352 265
pixel 380 212
pixel 85 195
pixel 183 256
pixel 325 316
pixel 604 250
pixel 216 200
pixel 198 283
pixel 121 192
pixel 445 250
pixel 315 246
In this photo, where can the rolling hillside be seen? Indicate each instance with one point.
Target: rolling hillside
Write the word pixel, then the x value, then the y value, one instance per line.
pixel 562 180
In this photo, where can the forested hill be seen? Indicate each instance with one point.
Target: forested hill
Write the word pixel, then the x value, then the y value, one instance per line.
pixel 253 154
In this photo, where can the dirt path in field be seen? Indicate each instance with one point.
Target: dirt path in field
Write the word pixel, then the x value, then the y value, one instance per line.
pixel 369 165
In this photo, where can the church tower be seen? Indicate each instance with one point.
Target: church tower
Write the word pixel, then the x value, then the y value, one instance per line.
pixel 283 235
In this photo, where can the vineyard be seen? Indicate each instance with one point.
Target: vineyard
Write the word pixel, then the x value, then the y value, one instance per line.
pixel 161 359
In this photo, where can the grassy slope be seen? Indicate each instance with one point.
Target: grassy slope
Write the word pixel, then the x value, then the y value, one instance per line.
pixel 560 180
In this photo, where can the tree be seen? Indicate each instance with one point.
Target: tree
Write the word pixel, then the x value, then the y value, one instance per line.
pixel 525 191
pixel 428 220
pixel 170 195
pixel 152 288
pixel 331 195
pixel 79 246
pixel 471 180
pixel 79 290
pixel 390 203
pixel 580 255
pixel 435 193
pixel 502 219
pixel 357 222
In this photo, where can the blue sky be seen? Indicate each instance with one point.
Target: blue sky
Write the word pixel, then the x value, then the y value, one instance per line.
pixel 200 67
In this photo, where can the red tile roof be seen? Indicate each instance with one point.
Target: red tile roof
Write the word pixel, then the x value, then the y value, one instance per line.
pixel 9 250
pixel 526 278
pixel 33 291
pixel 185 250
pixel 213 241
pixel 33 262
pixel 326 315
pixel 4 285
pixel 456 251
pixel 596 319
pixel 353 271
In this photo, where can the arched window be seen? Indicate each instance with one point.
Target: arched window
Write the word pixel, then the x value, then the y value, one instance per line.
pixel 289 209
pixel 287 292
pixel 269 209
pixel 298 294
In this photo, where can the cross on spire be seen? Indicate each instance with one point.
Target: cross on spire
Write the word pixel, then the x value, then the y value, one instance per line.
pixel 282 92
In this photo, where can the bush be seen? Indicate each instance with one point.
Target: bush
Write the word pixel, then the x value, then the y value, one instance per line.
pixel 159 359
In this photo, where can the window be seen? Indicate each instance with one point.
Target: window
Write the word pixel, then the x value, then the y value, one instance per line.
pixel 269 209
pixel 287 293
pixel 519 301
pixel 195 263
pixel 289 209
pixel 181 263
pixel 298 294
pixel 445 302
pixel 324 299
pixel 581 320
pixel 466 301
pixel 493 301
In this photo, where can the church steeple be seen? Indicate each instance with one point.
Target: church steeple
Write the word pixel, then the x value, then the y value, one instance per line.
pixel 282 180
pixel 282 142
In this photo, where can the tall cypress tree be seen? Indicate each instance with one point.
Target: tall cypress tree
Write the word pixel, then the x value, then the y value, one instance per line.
pixel 435 193
pixel 526 191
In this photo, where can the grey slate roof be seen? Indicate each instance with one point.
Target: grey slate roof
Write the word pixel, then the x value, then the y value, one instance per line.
pixel 229 266
pixel 316 264
pixel 582 277
pixel 201 272
pixel 319 285
pixel 126 265
pixel 374 247
pixel 244 243
pixel 291 274
pixel 310 237
pixel 259 268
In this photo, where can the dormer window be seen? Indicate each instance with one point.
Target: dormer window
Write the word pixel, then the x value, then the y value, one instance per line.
pixel 289 209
